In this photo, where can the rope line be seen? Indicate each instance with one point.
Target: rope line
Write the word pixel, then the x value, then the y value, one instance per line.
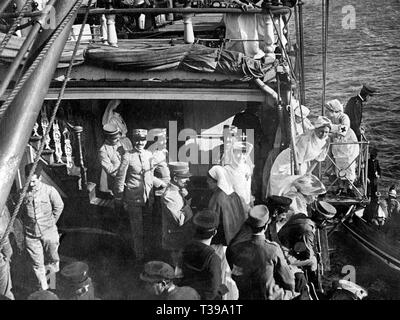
pixel 14 26
pixel 36 62
pixel 53 116
pixel 325 22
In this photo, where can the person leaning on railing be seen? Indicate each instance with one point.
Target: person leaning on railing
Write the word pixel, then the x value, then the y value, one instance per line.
pixel 346 153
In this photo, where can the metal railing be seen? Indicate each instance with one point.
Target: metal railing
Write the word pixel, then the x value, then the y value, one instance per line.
pixel 331 167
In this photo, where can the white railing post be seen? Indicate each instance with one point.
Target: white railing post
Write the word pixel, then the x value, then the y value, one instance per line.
pixel 111 31
pixel 188 26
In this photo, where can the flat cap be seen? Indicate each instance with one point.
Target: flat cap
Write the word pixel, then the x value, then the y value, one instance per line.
pixel 156 271
pixel 206 219
pixel 258 216
pixel 139 134
pixel 75 271
pixel 279 201
pixel 368 90
pixel 180 169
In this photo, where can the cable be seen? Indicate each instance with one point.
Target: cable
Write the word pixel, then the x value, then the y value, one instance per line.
pixel 325 22
pixel 14 26
pixel 36 62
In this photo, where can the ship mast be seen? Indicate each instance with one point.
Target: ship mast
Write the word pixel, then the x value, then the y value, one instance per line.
pixel 18 119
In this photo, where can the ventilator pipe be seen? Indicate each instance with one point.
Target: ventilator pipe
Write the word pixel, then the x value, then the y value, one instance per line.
pixel 112 37
pixel 188 34
pixel 18 120
pixel 267 89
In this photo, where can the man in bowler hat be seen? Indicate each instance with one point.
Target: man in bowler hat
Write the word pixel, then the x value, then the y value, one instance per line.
pixel 354 108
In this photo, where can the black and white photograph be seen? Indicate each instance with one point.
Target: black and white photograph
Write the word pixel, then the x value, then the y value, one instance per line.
pixel 212 150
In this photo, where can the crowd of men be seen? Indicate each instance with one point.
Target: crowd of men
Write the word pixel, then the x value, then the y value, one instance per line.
pixel 238 247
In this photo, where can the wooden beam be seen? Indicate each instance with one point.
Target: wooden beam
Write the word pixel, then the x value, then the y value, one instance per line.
pixel 208 94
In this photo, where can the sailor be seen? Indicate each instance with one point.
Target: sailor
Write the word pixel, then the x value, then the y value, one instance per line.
pixel 201 264
pixel 374 173
pixel 159 278
pixel 297 237
pixel 258 265
pixel 110 154
pixel 177 228
pixel 346 153
pixel 134 185
pixel 41 210
pixel 354 108
pixel 5 257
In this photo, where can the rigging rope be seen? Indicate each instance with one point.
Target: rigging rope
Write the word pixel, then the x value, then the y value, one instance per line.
pixel 14 26
pixel 53 116
pixel 287 59
pixel 36 62
pixel 325 23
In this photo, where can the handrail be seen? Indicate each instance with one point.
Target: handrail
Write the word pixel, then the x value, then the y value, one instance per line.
pixel 361 161
pixel 274 10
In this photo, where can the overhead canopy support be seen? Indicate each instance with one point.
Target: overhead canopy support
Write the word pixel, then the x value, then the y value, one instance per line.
pixel 199 94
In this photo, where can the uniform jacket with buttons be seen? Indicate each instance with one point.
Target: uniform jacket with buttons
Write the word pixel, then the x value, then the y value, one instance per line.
pixel 135 177
pixel 41 211
pixel 110 156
